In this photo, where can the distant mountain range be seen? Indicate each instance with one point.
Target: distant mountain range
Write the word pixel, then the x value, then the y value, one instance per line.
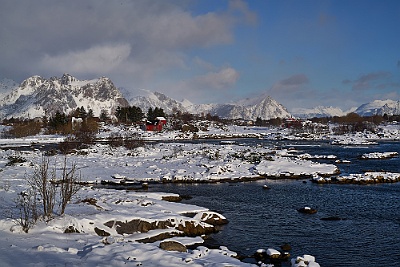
pixel 37 97
pixel 317 112
pixel 377 107
pixel 247 109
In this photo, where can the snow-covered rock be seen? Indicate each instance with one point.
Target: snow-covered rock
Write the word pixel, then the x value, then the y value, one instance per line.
pixel 379 155
pixel 304 261
pixel 368 177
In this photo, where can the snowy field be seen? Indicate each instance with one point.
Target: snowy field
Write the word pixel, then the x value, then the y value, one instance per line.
pixel 95 212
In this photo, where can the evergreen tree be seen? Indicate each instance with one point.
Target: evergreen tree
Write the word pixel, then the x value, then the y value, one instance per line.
pixel 129 114
pixel 104 115
pixel 152 114
pixel 90 113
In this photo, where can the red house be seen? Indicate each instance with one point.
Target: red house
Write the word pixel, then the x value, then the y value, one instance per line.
pixel 156 125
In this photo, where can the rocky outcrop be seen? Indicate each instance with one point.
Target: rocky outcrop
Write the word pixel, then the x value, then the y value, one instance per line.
pixel 70 230
pixel 173 246
pixel 203 223
pixel 212 218
pixel 191 228
pixel 101 232
pixel 137 225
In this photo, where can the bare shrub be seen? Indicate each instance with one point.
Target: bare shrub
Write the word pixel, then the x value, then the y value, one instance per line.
pixel 51 189
pixel 69 184
pixel 26 204
pixel 116 140
pixel 40 181
pixel 133 141
pixel 24 128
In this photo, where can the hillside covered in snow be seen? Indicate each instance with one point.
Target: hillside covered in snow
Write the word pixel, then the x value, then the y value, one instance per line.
pixel 379 107
pixel 37 96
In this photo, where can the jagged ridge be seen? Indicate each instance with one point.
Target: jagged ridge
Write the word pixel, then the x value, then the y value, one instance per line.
pixel 379 107
pixel 37 97
pixel 247 109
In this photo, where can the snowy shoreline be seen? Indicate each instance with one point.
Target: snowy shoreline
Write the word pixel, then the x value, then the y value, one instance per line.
pixel 97 214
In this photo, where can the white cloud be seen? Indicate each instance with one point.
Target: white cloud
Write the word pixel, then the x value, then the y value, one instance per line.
pixel 138 44
pixel 222 79
pixel 211 87
pixel 97 59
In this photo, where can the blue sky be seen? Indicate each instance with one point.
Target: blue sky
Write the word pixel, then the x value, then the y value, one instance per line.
pixel 303 53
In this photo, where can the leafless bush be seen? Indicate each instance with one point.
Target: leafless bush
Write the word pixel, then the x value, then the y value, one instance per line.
pixel 26 204
pixel 40 181
pixel 69 184
pixel 52 190
pixel 24 128
pixel 116 140
pixel 133 141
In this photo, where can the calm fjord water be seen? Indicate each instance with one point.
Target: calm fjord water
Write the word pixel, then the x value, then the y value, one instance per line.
pixel 369 235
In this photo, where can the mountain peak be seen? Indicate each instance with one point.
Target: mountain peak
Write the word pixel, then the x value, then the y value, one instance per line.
pixel 37 97
pixel 67 79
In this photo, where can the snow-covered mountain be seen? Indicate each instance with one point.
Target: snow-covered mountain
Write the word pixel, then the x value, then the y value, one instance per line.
pixel 36 96
pixel 6 86
pixel 379 107
pixel 376 107
pixel 317 112
pixel 248 109
pixel 263 107
pixel 148 99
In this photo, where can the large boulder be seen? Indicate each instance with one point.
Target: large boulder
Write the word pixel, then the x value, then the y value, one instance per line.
pixel 173 246
pixel 137 225
pixel 211 217
pixel 189 228
pixel 194 228
pixel 307 210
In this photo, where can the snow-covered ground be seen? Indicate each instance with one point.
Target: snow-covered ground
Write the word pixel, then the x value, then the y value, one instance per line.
pixel 95 209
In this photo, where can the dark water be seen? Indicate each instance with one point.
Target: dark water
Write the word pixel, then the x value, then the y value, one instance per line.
pixel 369 235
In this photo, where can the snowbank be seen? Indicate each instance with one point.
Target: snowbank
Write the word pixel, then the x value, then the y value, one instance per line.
pixel 284 167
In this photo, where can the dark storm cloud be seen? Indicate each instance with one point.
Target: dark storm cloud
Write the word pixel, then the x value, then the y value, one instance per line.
pixel 295 80
pixel 292 90
pixel 369 80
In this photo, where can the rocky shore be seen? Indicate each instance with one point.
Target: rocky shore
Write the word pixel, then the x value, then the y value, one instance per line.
pixel 366 178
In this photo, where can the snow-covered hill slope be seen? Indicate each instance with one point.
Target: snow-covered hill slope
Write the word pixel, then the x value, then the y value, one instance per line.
pixel 148 99
pixel 263 107
pixel 37 97
pixel 379 107
pixel 317 112
pixel 6 86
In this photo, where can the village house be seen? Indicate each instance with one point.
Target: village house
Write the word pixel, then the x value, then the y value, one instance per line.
pixel 155 125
